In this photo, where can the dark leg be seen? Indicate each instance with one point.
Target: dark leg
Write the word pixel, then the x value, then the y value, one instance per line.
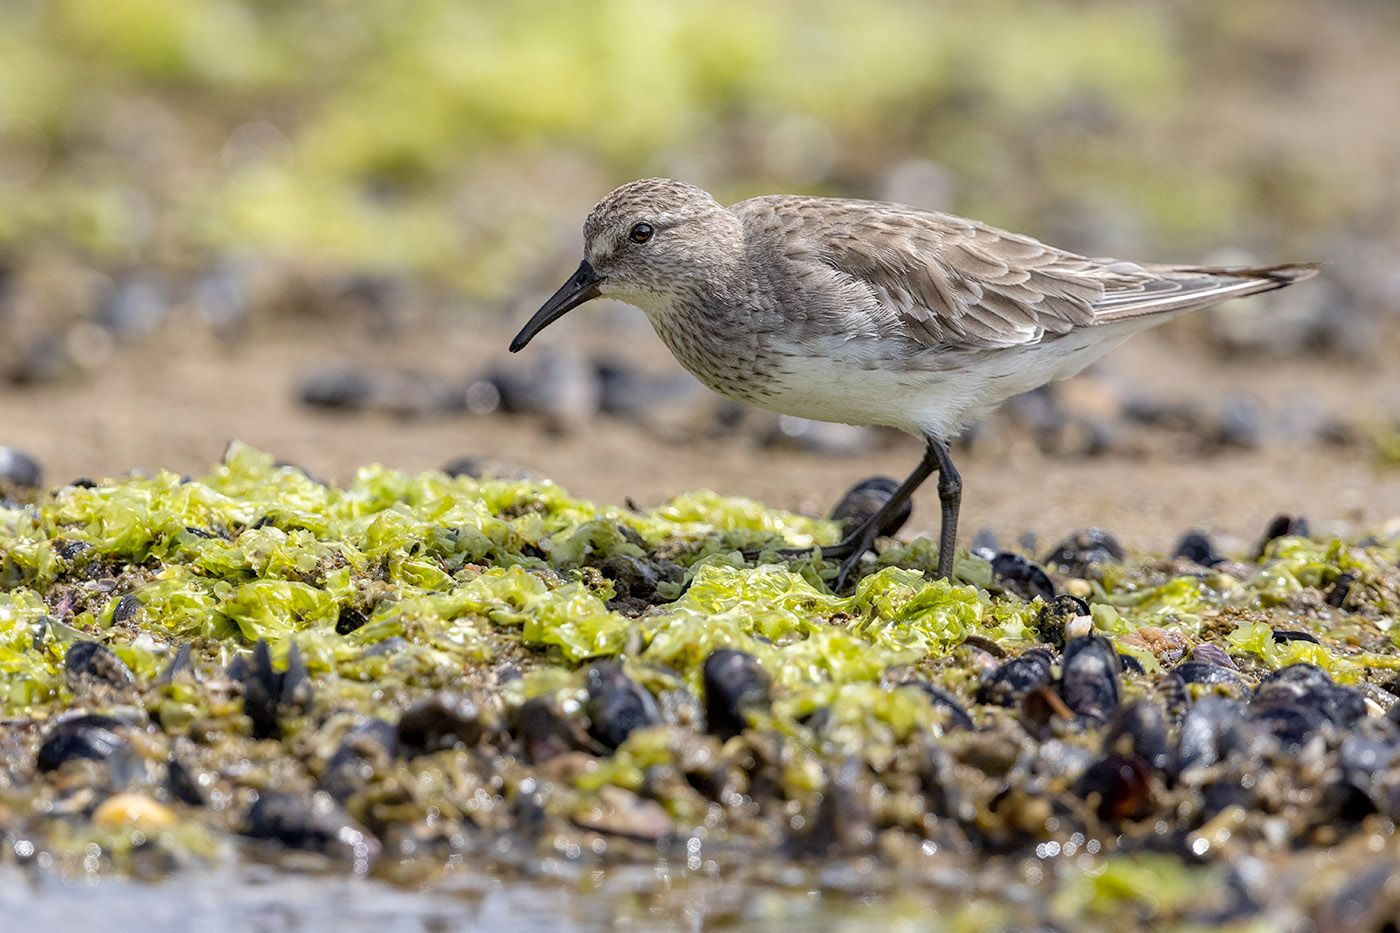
pixel 854 545
pixel 950 499
pixel 851 548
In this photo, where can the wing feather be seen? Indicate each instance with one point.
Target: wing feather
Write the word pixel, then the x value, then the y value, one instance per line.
pixel 951 283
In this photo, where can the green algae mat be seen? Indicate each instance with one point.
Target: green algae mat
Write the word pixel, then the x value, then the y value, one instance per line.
pixel 426 679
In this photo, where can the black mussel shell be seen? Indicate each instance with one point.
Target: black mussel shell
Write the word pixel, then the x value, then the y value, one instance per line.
pixel 1309 686
pixel 1083 549
pixel 1122 784
pixel 88 663
pixel 18 469
pixel 958 717
pixel 863 500
pixel 734 685
pixel 617 704
pixel 1139 729
pixel 1009 683
pixel 1056 616
pixel 1197 548
pixel 314 823
pixel 366 750
pixel 545 732
pixel 92 737
pixel 1089 678
pixel 1209 732
pixel 1022 576
pixel 1282 526
pixel 443 720
pixel 269 694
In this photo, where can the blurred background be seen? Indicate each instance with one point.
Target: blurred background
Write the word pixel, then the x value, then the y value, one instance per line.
pixel 313 226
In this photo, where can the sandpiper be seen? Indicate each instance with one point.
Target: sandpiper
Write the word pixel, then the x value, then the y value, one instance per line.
pixel 872 313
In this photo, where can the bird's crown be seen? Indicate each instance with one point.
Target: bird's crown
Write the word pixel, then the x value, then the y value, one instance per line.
pixel 653 198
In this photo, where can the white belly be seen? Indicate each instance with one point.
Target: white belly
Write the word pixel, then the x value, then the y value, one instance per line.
pixel 932 392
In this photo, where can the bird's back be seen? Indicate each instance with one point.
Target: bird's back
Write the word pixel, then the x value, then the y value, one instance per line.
pixel 878 313
pixel 946 282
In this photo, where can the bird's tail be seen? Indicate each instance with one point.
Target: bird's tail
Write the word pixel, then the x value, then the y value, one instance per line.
pixel 1189 288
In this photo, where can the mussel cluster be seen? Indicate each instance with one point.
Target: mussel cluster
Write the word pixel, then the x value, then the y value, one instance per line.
pixel 1056 738
pixel 1068 746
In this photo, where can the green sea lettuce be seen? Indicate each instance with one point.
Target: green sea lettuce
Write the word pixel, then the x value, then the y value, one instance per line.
pixel 463 571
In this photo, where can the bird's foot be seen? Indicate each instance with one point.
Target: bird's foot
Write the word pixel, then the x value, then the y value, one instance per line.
pixel 783 553
pixel 840 549
pixel 848 550
pixel 862 541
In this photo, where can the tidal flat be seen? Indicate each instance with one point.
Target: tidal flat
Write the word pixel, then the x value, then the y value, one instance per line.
pixel 494 702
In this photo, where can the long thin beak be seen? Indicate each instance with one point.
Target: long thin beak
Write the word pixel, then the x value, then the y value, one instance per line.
pixel 582 286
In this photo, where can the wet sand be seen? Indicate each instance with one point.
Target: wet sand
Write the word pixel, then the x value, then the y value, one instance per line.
pixel 175 402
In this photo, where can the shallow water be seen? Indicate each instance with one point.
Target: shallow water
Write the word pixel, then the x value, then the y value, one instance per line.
pixel 268 899
pixel 272 900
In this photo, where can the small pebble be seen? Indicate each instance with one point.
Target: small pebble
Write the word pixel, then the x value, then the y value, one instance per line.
pixel 1213 654
pixel 1077 586
pixel 346 388
pixel 133 810
pixel 18 469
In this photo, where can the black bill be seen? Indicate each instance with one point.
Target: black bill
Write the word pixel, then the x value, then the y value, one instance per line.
pixel 582 286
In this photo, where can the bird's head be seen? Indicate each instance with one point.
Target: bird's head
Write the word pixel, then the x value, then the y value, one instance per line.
pixel 643 244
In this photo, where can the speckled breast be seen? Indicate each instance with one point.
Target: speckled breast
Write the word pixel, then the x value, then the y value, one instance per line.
pixel 729 359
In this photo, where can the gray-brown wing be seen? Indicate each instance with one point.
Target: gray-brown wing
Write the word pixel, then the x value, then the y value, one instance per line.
pixel 947 282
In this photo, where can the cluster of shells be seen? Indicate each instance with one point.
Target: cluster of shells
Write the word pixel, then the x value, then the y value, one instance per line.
pixel 1053 752
pixel 1063 747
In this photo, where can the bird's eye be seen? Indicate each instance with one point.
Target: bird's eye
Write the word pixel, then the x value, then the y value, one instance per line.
pixel 641 233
